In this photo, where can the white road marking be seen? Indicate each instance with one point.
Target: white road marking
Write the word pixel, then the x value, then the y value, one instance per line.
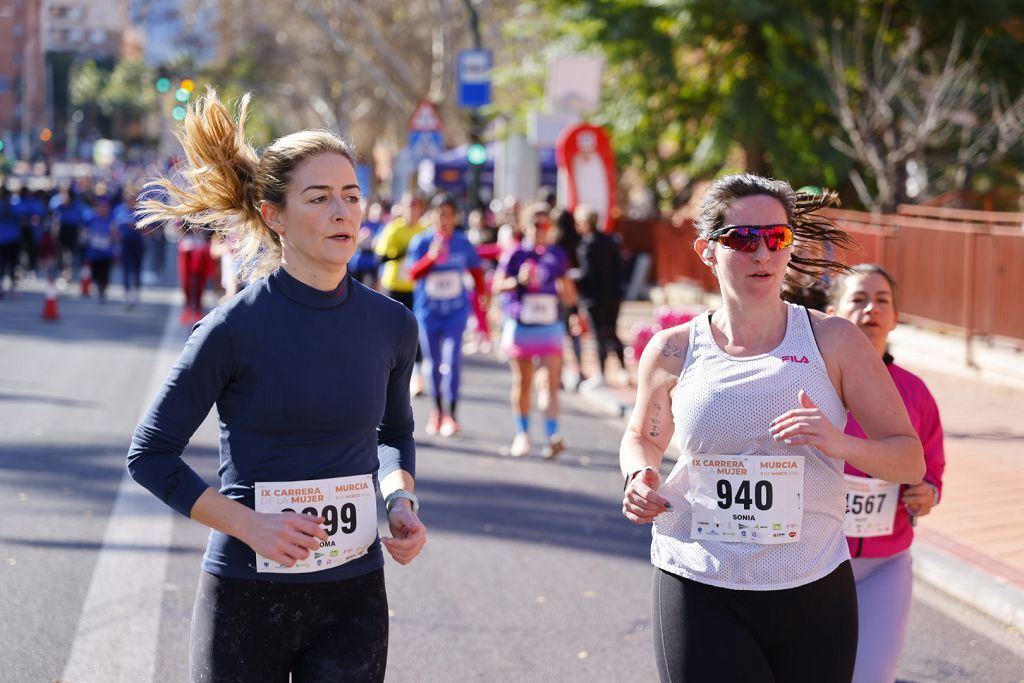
pixel 117 630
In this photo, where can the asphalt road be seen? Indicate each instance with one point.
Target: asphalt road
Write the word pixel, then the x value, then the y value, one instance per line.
pixel 530 572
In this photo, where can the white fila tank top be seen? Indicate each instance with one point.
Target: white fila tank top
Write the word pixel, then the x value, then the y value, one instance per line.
pixel 722 405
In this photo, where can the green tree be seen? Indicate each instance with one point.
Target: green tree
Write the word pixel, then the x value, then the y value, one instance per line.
pixel 115 100
pixel 128 97
pixel 706 85
pixel 695 87
pixel 87 84
pixel 129 88
pixel 86 88
pixel 923 110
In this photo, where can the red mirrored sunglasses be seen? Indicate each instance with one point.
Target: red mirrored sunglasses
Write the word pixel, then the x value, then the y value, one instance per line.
pixel 747 237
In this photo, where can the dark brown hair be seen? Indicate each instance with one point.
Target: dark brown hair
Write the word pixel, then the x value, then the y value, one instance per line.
pixel 814 234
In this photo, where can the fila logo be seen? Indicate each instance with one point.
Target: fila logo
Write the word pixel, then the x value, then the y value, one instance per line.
pixel 794 359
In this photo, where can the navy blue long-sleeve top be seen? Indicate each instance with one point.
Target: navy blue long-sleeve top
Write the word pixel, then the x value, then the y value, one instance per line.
pixel 308 384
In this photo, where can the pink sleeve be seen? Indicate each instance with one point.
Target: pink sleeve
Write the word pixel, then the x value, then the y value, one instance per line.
pixel 924 414
pixel 929 430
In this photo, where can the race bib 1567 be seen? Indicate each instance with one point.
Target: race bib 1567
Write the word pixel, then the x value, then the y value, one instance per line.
pixel 870 506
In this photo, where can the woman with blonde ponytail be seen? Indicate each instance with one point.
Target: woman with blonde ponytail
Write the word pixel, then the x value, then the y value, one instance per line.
pixel 309 371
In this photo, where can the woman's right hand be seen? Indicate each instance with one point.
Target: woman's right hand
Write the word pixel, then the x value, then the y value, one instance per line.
pixel 437 249
pixel 641 502
pixel 284 537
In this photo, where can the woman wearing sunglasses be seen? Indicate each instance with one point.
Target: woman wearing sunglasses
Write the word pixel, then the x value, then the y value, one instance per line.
pixel 752 572
pixel 879 524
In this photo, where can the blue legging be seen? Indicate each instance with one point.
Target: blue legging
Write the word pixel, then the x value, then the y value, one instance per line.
pixel 442 353
pixel 883 601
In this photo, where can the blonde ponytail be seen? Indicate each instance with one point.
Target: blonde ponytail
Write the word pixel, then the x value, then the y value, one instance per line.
pixel 225 180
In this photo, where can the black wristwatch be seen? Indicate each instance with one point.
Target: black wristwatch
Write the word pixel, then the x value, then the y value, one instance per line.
pixel 629 477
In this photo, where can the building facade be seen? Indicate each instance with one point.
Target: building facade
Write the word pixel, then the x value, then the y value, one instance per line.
pixel 86 27
pixel 22 76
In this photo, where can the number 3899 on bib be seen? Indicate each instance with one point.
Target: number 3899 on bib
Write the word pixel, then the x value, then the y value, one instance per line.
pixel 348 506
pixel 746 498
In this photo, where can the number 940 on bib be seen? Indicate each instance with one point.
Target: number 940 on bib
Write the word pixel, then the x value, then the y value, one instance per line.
pixel 746 498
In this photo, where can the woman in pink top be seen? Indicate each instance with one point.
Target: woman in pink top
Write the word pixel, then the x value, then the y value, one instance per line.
pixel 880 517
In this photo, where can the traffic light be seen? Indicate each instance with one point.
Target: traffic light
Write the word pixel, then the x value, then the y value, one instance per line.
pixel 163 80
pixel 184 91
pixel 476 154
pixel 1 146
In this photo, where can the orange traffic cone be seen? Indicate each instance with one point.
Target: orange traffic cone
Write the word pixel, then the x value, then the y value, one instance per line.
pixel 86 279
pixel 50 305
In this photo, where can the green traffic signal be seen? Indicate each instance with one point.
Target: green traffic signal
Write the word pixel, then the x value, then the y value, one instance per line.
pixel 182 95
pixel 1 145
pixel 178 113
pixel 476 154
pixel 163 84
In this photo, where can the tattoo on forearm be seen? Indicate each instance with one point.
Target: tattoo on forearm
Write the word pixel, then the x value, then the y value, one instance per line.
pixel 655 430
pixel 671 349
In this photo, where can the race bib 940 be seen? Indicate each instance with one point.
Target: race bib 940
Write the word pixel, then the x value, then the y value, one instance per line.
pixel 746 498
pixel 348 506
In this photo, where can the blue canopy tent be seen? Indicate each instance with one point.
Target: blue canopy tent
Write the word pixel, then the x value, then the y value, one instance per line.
pixel 451 169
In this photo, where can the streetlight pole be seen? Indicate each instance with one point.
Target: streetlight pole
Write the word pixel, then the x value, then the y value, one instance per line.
pixel 476 122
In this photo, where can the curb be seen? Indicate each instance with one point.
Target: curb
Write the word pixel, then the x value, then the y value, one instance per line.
pixel 958 571
pixel 915 347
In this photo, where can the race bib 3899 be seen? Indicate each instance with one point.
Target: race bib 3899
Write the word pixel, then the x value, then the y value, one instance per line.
pixel 348 506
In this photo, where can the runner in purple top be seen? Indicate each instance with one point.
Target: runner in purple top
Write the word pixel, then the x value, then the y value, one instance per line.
pixel 533 283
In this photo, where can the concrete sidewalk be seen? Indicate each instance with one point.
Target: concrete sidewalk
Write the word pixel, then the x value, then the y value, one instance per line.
pixel 971 545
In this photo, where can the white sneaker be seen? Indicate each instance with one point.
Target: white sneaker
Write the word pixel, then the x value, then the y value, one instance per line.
pixel 449 427
pixel 595 382
pixel 520 445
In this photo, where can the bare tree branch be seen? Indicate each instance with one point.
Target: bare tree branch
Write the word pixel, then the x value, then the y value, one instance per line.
pixel 904 103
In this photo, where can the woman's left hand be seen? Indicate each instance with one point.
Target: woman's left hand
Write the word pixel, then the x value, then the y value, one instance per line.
pixel 807 426
pixel 919 499
pixel 407 531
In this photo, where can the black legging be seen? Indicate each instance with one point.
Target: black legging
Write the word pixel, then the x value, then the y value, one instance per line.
pixel 604 316
pixel 101 274
pixel 8 263
pixel 245 630
pixel 706 633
